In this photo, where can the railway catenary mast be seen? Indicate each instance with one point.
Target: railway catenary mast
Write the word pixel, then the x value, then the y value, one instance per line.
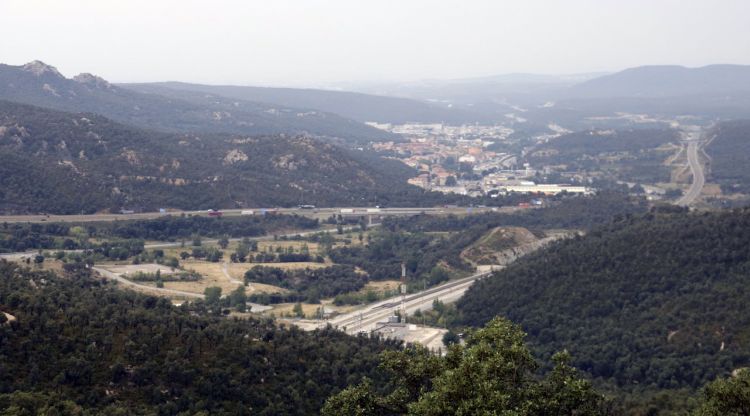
pixel 403 292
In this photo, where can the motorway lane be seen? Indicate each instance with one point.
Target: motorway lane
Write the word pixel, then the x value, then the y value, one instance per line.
pixel 365 319
pixel 698 175
pixel 318 212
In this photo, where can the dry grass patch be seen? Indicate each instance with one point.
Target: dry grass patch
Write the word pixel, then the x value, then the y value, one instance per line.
pixel 213 275
pixel 381 286
pixel 264 288
pixel 309 309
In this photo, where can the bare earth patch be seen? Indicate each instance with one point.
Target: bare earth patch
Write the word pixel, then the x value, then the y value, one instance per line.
pixel 10 318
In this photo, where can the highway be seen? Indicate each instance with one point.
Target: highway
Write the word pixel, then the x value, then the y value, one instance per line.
pixel 317 213
pixel 365 319
pixel 696 168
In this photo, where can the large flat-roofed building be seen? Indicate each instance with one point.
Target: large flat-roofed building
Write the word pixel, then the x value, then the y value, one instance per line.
pixel 547 189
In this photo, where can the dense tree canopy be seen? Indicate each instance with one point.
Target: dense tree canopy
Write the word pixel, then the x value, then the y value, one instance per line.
pixel 730 156
pixel 82 344
pixel 647 303
pixel 562 212
pixel 726 397
pixel 492 374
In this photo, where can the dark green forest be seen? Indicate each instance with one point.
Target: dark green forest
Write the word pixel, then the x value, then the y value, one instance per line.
pixel 648 304
pixel 730 156
pixel 562 212
pixel 631 155
pixel 426 256
pixel 307 285
pixel 79 346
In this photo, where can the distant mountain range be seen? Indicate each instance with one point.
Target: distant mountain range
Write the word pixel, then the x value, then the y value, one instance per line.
pixel 460 89
pixel 667 81
pixel 643 81
pixel 352 105
pixel 40 84
pixel 60 162
pixel 715 91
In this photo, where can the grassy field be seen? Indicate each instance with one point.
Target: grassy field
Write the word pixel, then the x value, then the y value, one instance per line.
pixel 285 309
pixel 381 286
pixel 213 275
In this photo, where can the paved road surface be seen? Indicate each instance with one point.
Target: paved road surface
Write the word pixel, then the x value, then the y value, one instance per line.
pixel 365 319
pixel 697 170
pixel 319 213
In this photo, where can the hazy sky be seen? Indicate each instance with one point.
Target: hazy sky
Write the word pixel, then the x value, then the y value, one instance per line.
pixel 313 42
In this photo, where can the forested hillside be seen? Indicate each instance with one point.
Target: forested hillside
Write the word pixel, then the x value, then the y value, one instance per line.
pixel 647 303
pixel 730 156
pixel 40 84
pixel 636 155
pixel 565 212
pixel 77 346
pixel 60 162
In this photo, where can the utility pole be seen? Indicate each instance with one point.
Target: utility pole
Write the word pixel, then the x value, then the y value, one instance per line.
pixel 424 284
pixel 403 292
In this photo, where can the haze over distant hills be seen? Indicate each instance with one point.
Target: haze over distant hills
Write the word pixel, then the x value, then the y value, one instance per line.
pixel 667 81
pixel 642 81
pixel 715 91
pixel 40 84
pixel 353 105
pixel 466 89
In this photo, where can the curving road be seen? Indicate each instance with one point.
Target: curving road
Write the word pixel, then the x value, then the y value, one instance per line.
pixel 696 168
pixel 116 277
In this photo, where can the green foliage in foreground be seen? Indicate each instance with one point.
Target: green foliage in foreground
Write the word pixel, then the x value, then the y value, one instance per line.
pixel 82 347
pixel 492 374
pixel 727 397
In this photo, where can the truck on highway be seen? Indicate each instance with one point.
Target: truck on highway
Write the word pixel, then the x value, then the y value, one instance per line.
pixel 347 211
pixel 214 213
pixel 247 212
